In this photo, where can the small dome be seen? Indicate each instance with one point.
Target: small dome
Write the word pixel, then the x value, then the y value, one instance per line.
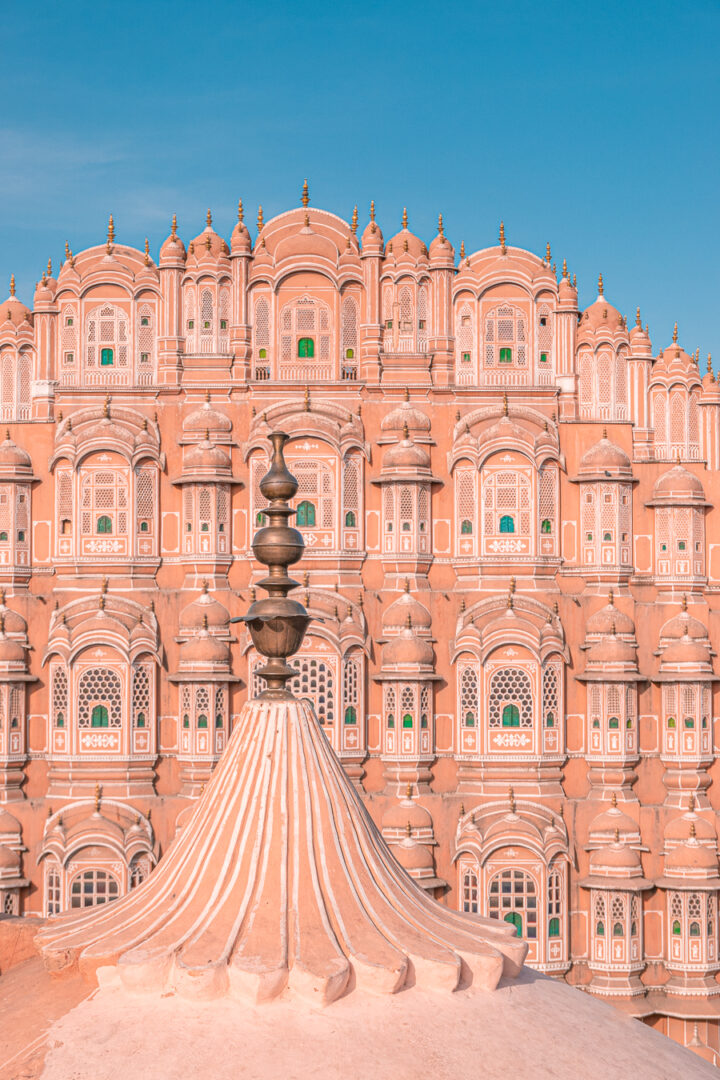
pixel 441 250
pixel 11 652
pixel 12 457
pixel 406 455
pixel 173 249
pixel 408 650
pixel 601 315
pixel 412 856
pixel 9 825
pixel 14 623
pixel 680 828
pixel 611 650
pixel 684 625
pixel 615 857
pixel 692 856
pixel 206 456
pixel 605 455
pixel 612 820
pixel 208 244
pixel 372 237
pixel 204 649
pixel 567 293
pixel 678 483
pixel 686 651
pixel 205 607
pixel 9 860
pixel 404 414
pixel 603 621
pixel 407 812
pixel 206 418
pixel 240 242
pixel 14 311
pixel 405 243
pixel 396 615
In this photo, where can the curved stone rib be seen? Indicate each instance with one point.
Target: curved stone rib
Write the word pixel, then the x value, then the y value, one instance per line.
pixel 281 879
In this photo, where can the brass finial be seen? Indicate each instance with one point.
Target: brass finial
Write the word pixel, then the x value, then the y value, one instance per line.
pixel 638 320
pixel 404 218
pixel 307 221
pixel 147 251
pixel 441 231
pixel 354 224
pixel 691 803
pixel 305 198
pixel 372 209
pixel 408 830
pixel 675 334
pixel 406 431
pixel 260 220
pixel 49 268
pixel 548 256
pixel 44 278
pixel 307 399
pixel 505 405
pixel 67 250
pixel 709 364
pixel 241 212
pixel 501 238
pixel 692 829
pixel 98 795
pixel 173 227
pixel 407 584
pixel 462 809
pixel 613 800
pixel 208 220
pixel 208 243
pixel 463 605
pixel 106 407
pixel 617 836
pixel 564 270
pixel 684 602
pixel 611 598
pixel 511 800
pixel 462 249
pixel 574 281
pixel 408 791
pixel 407 393
pixel 277 624
pixel 111 230
pixel 12 284
pixel 601 286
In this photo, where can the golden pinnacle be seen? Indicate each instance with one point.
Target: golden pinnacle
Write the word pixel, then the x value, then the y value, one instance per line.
pixel 305 198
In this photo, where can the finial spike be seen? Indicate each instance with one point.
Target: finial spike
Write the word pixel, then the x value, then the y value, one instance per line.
pixel 601 285
pixel 675 334
pixel 505 405
pixel 462 249
pixel 241 212
pixel 404 217
pixel 503 249
pixel 111 230
pixel 638 320
pixel 548 256
pixel 173 227
pixel 260 220
pixel 564 270
pixel 441 230
pixel 305 198
pixel 12 284
pixel 208 219
pixel 372 209
pixel 147 251
pixel 354 224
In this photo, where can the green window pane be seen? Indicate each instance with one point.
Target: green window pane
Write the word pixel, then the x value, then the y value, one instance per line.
pixel 407 720
pixel 613 722
pixel 140 719
pixel 617 929
pixel 99 717
pixel 469 720
pixel 107 357
pixel 507 524
pixel 550 720
pixel 466 527
pixel 600 929
pixel 349 354
pixel 391 720
pixel 545 527
pixel 104 524
pixel 306 514
pixel 676 928
pixel 306 348
pixel 202 720
pixel 506 356
pixel 350 520
pixel 511 716
pixel 515 918
pixel 554 928
pixel 218 720
pixel 351 715
pixel 543 358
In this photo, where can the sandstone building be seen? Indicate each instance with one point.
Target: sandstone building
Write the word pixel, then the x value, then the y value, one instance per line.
pixel 507 507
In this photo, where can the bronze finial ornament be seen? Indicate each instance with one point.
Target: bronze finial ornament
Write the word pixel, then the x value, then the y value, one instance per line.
pixel 277 624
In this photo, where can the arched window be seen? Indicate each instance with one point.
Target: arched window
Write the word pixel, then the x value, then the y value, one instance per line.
pixel 546 527
pixel 554 928
pixel 351 715
pixel 466 528
pixel 511 716
pixel 510 699
pixel 306 348
pixel 676 929
pixel 305 514
pixel 407 720
pixel 505 337
pixel 507 524
pixel 107 338
pixel 617 929
pixel 350 519
pixel 513 897
pixel 694 929
pixel 100 698
pixel 104 524
pixel 93 887
pixel 202 721
pixel 470 892
pixel 600 929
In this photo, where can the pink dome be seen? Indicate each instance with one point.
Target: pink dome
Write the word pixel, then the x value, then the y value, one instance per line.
pixel 603 621
pixel 408 650
pixel 407 812
pixel 405 242
pixel 206 456
pixel 9 860
pixel 615 857
pixel 12 457
pixel 680 828
pixel 441 250
pixel 372 239
pixel 9 825
pixel 686 652
pixel 692 856
pixel 611 820
pixel 678 483
pixel 601 315
pixel 240 242
pixel 611 650
pixel 204 649
pixel 406 455
pixel 14 311
pixel 11 652
pixel 205 607
pixel 413 856
pixel 173 249
pixel 406 414
pixel 605 455
pixel 396 615
pixel 206 418
pixel 684 625
pixel 567 293
pixel 208 243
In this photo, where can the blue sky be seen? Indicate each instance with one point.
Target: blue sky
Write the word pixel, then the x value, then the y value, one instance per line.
pixel 592 126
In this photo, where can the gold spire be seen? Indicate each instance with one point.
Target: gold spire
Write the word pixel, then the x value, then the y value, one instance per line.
pixel 548 256
pixel 305 198
pixel 684 602
pixel 98 792
pixel 709 364
pixel 405 244
pixel 511 800
pixel 111 230
pixel 147 251
pixel 613 800
pixel 564 270
pixel 440 225
pixel 406 431
pixel 462 249
pixel 173 227
pixel 407 584
pixel 404 218
pixel 611 598
pixel 354 225
pixel 692 829
pixel 241 212
pixel 601 287
pixel 49 268
pixel 106 406
pixel 12 284
pixel 617 836
pixel 260 221
pixel 675 334
pixel 307 221
pixel 208 219
pixel 208 243
pixel 513 584
pixel 67 250
pixel 574 281
pixel 503 249
pixel 408 830
pixel 691 802
pixel 372 209
pixel 307 399
pixel 604 433
pixel 505 405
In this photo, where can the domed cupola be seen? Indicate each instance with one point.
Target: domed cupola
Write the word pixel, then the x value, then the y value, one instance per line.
pixel 393 425
pixel 13 313
pixel 408 652
pixel 372 242
pixel 679 486
pixel 604 460
pixel 206 420
pixel 395 617
pixel 607 620
pixel 240 242
pixel 567 292
pixel 405 246
pixel 639 338
pixel 441 251
pixel 15 463
pixel 205 611
pixel 208 249
pixel 172 251
pixel 601 317
pixel 606 481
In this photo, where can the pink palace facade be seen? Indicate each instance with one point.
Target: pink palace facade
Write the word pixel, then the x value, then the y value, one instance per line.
pixel 509 509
